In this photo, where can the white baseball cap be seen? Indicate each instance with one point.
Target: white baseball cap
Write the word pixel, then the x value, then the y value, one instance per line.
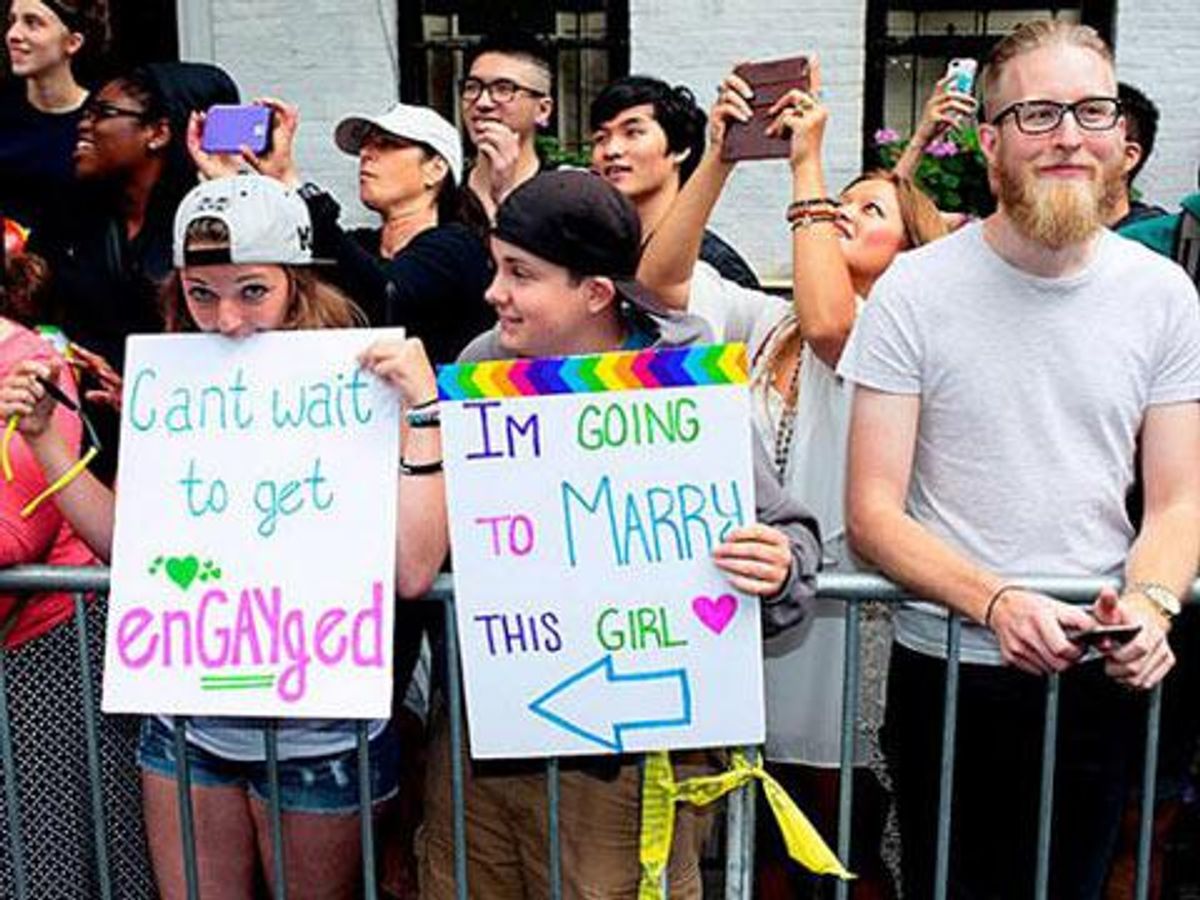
pixel 267 222
pixel 414 123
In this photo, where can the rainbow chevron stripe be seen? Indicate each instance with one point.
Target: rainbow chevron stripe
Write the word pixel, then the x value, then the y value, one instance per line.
pixel 634 370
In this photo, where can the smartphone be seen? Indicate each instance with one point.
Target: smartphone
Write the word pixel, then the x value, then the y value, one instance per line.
pixel 229 128
pixel 1091 637
pixel 962 74
pixel 769 81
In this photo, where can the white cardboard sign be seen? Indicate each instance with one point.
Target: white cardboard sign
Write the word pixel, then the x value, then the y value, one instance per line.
pixel 253 559
pixel 585 497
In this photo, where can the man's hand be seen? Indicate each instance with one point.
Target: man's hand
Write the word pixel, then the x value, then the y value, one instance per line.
pixel 501 146
pixel 1143 662
pixel 1029 627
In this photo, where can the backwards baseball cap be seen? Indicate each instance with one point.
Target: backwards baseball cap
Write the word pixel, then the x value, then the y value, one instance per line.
pixel 579 221
pixel 413 123
pixel 267 223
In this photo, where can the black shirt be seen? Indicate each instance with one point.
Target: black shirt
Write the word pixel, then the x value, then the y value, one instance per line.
pixel 433 287
pixel 727 261
pixel 36 156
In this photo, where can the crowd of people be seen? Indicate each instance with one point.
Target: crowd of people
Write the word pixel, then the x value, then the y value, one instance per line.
pixel 957 404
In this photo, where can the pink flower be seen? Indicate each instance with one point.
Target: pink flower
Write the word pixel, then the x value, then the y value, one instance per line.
pixel 886 136
pixel 941 149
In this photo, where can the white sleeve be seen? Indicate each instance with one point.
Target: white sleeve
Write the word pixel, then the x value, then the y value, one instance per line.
pixel 729 309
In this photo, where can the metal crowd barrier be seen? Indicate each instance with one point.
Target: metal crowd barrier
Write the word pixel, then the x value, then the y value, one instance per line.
pixel 853 589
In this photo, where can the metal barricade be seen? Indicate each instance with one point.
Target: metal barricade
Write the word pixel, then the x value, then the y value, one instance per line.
pixel 853 589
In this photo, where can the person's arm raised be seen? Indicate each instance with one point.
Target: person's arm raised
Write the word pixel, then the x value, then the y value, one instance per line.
pixel 945 109
pixel 671 253
pixel 822 292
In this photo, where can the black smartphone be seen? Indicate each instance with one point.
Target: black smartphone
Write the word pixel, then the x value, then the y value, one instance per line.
pixel 1091 637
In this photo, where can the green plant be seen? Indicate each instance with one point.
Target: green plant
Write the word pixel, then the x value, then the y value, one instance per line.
pixel 554 153
pixel 952 169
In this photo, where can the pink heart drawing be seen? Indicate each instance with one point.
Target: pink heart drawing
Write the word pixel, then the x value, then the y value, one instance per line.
pixel 715 613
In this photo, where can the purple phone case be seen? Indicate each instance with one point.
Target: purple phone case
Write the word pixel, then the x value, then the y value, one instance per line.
pixel 229 128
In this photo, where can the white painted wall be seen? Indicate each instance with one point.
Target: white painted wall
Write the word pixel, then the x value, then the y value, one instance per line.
pixel 697 41
pixel 330 57
pixel 1158 51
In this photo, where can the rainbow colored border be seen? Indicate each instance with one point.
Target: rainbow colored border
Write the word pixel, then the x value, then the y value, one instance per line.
pixel 634 370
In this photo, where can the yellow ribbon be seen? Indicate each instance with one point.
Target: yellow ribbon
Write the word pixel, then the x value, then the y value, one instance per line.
pixel 660 793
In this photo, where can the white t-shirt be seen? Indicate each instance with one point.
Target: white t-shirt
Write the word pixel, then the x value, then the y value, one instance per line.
pixel 1032 394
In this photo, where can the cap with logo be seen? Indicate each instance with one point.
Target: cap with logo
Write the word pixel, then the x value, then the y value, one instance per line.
pixel 267 223
pixel 413 123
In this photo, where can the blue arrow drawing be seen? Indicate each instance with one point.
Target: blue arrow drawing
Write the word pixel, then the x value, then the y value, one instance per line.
pixel 587 703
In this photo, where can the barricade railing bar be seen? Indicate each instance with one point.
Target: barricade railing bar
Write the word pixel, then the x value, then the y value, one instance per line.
pixel 853 589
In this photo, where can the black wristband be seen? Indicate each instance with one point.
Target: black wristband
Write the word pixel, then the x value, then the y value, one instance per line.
pixel 429 468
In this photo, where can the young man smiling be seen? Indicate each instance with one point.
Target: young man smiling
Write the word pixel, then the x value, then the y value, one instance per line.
pixel 647 139
pixel 506 97
pixel 1002 376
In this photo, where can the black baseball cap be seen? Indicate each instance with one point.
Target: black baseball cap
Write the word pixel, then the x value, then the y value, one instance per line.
pixel 579 221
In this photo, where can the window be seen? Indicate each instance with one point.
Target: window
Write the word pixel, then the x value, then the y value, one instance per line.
pixel 909 43
pixel 588 38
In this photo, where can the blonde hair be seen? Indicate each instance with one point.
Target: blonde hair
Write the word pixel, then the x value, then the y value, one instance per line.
pixel 1030 36
pixel 314 303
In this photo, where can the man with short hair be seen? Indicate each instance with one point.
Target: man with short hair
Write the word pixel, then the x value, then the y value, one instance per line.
pixel 1141 127
pixel 506 97
pixel 647 139
pixel 1002 376
pixel 566 248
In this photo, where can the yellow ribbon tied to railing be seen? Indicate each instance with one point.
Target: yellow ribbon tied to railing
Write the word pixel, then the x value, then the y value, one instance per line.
pixel 661 792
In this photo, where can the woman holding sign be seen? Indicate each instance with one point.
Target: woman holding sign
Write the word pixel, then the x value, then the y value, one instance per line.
pixel 840 246
pixel 243 265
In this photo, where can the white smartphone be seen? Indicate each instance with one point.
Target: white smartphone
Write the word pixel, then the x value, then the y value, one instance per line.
pixel 962 75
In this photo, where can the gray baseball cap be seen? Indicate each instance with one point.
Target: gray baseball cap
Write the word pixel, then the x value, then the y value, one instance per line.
pixel 414 123
pixel 267 223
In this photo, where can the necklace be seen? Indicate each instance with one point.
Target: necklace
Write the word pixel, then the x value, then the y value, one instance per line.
pixel 786 428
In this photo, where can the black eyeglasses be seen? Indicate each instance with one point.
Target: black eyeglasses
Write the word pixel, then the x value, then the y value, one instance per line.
pixel 99 111
pixel 501 90
pixel 1043 116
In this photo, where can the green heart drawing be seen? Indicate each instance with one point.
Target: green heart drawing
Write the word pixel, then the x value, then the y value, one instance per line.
pixel 183 570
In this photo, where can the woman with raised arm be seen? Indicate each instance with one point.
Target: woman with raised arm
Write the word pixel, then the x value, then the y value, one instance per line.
pixel 840 246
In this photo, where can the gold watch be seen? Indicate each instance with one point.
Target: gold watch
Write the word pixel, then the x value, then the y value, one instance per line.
pixel 1162 597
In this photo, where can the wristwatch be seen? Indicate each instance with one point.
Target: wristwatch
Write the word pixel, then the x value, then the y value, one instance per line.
pixel 1162 597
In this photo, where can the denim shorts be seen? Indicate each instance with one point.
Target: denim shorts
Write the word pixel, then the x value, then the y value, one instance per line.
pixel 316 784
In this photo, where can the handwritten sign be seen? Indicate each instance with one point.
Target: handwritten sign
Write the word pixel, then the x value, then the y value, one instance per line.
pixel 254 554
pixel 586 495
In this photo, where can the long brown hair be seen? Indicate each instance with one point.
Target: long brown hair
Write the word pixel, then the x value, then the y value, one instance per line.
pixel 922 223
pixel 314 303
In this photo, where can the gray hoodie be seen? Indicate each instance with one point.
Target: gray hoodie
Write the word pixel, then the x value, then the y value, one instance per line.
pixel 773 505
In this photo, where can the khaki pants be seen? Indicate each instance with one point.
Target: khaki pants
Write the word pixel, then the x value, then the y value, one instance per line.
pixel 508 833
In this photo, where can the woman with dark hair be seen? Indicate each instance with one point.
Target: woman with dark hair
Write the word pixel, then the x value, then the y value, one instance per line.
pixel 40 108
pixel 110 250
pixel 427 266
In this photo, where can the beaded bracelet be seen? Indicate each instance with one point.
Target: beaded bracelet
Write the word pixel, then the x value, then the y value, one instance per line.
pixel 797 206
pixel 813 217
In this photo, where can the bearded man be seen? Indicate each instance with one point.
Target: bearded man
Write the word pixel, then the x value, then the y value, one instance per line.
pixel 1002 376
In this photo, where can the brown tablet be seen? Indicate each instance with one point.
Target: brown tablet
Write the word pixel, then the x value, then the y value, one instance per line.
pixel 769 81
